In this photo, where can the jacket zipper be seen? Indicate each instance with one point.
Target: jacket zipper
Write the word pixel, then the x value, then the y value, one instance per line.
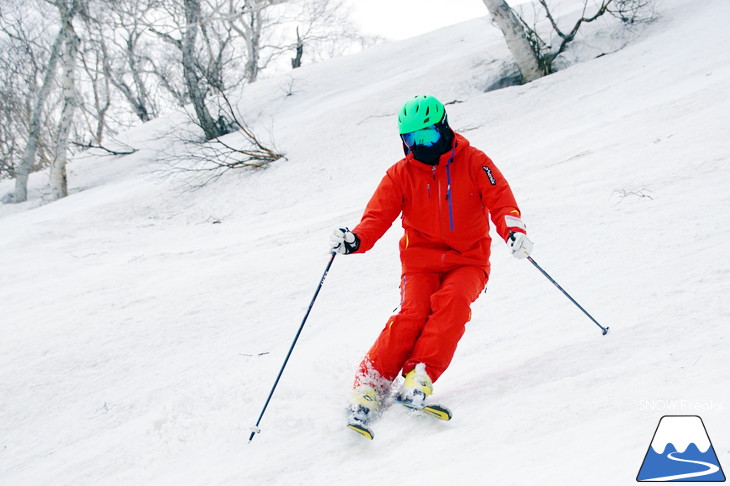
pixel 449 199
pixel 448 191
pixel 438 198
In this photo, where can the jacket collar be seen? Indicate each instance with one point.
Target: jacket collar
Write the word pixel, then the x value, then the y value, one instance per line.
pixel 459 144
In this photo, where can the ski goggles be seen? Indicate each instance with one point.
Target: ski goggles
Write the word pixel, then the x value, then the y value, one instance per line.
pixel 425 136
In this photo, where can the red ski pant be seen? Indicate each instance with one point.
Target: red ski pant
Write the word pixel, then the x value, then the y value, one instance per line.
pixel 435 308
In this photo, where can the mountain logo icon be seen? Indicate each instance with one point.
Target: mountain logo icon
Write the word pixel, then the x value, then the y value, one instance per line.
pixel 681 451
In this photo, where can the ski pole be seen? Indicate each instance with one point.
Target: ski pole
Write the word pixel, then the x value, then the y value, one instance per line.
pixel 255 429
pixel 604 329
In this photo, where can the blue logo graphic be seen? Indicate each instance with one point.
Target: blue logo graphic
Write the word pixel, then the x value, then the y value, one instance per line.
pixel 681 451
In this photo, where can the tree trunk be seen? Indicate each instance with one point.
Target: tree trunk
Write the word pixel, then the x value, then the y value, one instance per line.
pixel 137 101
pixel 253 40
pixel 252 18
pixel 192 81
pixel 31 147
pixel 296 61
pixel 58 182
pixel 517 42
pixel 141 101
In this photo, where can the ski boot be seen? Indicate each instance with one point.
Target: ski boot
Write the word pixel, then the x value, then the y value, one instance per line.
pixel 365 402
pixel 416 389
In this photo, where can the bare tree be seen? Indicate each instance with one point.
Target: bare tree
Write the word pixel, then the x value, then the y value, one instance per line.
pixel 271 28
pixel 209 160
pixel 96 110
pixel 125 54
pixel 326 30
pixel 250 31
pixel 203 53
pixel 111 64
pixel 111 74
pixel 534 55
pixel 67 10
pixel 251 22
pixel 12 108
pixel 26 163
pixel 628 11
pixel 517 40
pixel 40 113
pixel 296 61
pixel 211 126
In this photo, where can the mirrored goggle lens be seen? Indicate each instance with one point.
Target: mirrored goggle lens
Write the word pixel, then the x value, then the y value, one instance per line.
pixel 426 136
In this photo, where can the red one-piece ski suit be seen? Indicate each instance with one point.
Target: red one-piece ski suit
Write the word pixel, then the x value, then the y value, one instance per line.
pixel 444 253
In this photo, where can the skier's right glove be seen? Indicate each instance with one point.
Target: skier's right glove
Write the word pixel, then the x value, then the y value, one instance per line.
pixel 344 241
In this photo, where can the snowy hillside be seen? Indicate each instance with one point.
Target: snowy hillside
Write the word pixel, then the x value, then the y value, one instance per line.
pixel 143 325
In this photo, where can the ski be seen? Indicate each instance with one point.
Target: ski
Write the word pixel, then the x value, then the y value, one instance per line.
pixel 432 409
pixel 437 411
pixel 360 428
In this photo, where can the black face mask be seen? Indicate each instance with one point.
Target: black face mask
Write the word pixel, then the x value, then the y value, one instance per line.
pixel 430 155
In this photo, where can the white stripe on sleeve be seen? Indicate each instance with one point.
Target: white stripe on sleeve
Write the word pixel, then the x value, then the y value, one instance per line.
pixel 513 222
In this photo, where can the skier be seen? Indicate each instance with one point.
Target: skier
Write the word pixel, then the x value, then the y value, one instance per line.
pixel 446 190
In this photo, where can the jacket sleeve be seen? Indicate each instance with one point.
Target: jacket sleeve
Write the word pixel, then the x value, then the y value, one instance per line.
pixel 497 197
pixel 381 211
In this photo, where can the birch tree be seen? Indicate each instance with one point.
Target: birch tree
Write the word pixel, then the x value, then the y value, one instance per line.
pixel 126 55
pixel 533 54
pixel 518 43
pixel 11 105
pixel 271 28
pixel 627 11
pixel 93 66
pixel 196 89
pixel 97 108
pixel 249 25
pixel 203 53
pixel 253 23
pixel 67 11
pixel 326 30
pixel 22 172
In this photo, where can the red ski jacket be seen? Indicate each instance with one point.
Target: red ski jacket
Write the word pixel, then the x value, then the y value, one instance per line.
pixel 445 210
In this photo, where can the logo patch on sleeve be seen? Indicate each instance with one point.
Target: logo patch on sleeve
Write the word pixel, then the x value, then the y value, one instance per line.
pixel 488 171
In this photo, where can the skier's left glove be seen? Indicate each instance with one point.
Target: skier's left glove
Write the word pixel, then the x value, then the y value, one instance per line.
pixel 344 241
pixel 519 244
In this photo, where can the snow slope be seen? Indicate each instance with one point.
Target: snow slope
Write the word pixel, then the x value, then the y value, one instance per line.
pixel 143 325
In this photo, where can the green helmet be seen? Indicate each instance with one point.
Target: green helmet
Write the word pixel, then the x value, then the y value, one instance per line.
pixel 420 112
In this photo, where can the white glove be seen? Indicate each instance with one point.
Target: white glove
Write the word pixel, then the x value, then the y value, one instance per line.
pixel 344 241
pixel 519 244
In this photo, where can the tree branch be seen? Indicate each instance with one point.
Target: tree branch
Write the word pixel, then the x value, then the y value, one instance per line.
pixel 109 151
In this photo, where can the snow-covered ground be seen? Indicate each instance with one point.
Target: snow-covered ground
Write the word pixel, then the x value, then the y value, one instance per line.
pixel 143 325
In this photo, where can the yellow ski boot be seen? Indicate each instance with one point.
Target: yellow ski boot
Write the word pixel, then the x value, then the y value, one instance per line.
pixel 417 388
pixel 364 403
